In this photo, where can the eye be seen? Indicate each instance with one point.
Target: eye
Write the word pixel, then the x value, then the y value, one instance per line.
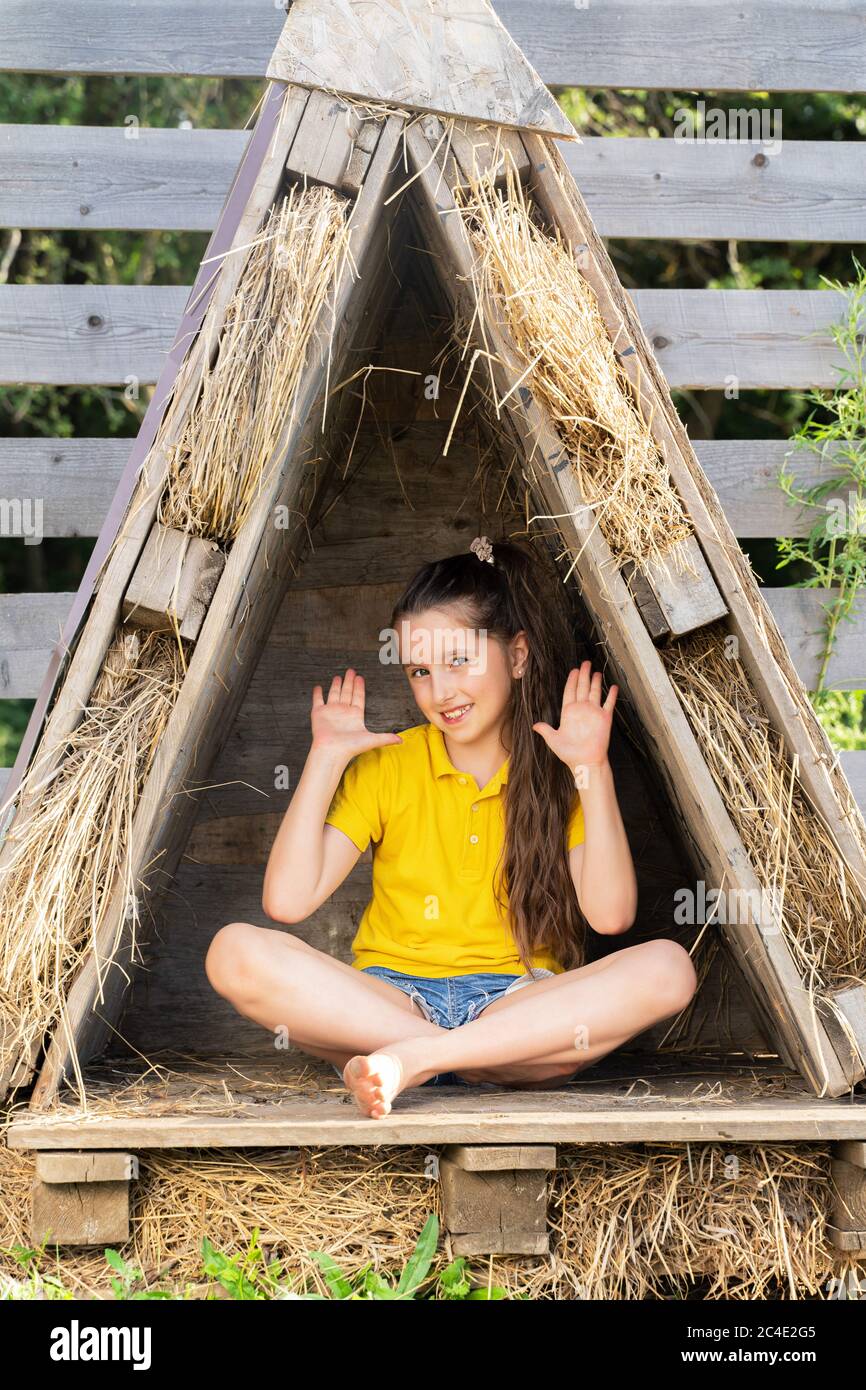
pixel 415 670
pixel 460 658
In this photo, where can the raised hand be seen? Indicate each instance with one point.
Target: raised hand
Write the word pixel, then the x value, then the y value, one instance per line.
pixel 338 724
pixel 583 736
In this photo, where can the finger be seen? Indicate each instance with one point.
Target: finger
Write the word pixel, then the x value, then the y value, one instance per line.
pixel 583 680
pixel 348 687
pixel 545 731
pixel 569 694
pixel 595 688
pixel 336 686
pixel 317 696
pixel 611 698
pixel 358 692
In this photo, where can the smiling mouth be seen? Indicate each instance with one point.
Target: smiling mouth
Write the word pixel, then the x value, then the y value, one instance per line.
pixel 455 716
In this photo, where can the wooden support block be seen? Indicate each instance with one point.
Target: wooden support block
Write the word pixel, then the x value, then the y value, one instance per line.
pixel 684 589
pixel 843 1013
pixel 852 1150
pixel 176 574
pixel 489 1158
pixel 501 1243
pixel 847 1227
pixel 101 1165
pixel 85 1213
pixel 498 1209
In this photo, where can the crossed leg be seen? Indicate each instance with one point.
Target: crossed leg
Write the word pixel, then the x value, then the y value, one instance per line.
pixel 383 1044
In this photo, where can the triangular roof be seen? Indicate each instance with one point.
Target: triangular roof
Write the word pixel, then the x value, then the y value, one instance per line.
pixel 451 57
pixel 307 134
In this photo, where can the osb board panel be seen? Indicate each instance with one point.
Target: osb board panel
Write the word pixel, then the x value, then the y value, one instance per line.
pixel 449 56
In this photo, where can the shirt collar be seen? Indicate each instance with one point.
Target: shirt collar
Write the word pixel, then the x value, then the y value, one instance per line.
pixel 443 766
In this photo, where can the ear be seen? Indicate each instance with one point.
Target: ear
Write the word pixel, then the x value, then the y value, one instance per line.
pixel 519 654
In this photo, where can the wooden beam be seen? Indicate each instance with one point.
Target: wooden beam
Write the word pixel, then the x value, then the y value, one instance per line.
pixel 798 46
pixel 176 180
pixel 708 340
pixel 76 479
pixel 453 1115
pixel 764 955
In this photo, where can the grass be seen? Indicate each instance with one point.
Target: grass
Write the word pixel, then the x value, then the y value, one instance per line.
pixel 251 1276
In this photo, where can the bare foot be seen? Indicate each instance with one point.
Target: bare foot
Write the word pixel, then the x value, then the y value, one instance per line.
pixel 374 1082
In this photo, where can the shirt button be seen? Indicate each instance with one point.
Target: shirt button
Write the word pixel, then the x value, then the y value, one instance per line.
pixel 475 806
pixel 473 839
pixel 462 781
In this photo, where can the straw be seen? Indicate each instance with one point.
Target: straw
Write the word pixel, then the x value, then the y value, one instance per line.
pixel 534 281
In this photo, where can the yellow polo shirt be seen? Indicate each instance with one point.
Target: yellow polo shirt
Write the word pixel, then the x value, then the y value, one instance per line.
pixel 437 838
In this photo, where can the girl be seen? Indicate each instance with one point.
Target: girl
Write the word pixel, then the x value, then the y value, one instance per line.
pixel 497 837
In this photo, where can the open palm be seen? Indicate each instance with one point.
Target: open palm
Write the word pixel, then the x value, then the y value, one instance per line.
pixel 338 723
pixel 583 736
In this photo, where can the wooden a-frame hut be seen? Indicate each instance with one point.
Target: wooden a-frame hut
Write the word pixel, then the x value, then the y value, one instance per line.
pixel 395 439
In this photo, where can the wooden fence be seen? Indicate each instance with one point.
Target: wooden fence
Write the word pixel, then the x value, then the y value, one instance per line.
pixel 60 177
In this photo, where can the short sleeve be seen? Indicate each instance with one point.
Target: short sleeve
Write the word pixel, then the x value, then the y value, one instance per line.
pixel 575 830
pixel 357 805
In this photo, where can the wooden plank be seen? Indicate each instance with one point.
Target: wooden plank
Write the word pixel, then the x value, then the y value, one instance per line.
pixel 703 339
pixel 81 1166
pixel 234 629
pixel 762 648
pixel 31 623
pixel 742 340
pixel 127 177
pixel 176 180
pixel 775 45
pixel 765 956
pixel 76 479
pixel 717 189
pixel 454 1115
pixel 455 58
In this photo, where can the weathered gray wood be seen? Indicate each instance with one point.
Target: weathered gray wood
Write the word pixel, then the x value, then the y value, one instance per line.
pixel 774 45
pixel 324 143
pixel 122 176
pixel 76 479
pixel 684 589
pixel 691 1107
pixel 716 189
pixel 450 56
pixel 494 1211
pixel 96 177
pixel 847 1226
pixel 90 1213
pixel 80 1166
pixel 703 339
pixel 483 1158
pixel 844 1013
pixel 764 956
pixel 235 626
pixel 173 582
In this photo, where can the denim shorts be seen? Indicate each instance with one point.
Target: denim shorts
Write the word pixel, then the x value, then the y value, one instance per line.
pixel 452 1000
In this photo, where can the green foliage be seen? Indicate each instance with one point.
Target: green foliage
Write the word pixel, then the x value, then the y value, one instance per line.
pixel 250 1276
pixel 834 551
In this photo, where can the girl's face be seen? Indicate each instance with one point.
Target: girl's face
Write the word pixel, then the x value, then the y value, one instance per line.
pixel 460 676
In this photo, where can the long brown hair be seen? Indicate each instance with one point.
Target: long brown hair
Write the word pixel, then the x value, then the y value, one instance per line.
pixel 511 595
